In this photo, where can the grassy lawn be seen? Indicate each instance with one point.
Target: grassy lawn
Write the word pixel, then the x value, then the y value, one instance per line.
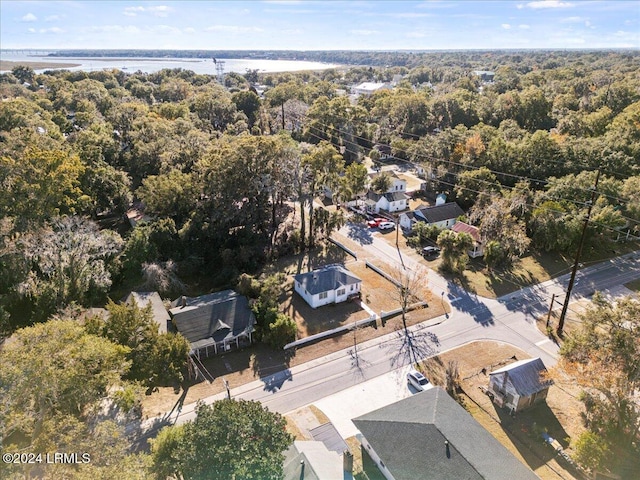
pixel 534 268
pixel 559 416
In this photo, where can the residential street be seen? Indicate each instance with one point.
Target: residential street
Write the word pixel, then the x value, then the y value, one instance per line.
pixel 509 319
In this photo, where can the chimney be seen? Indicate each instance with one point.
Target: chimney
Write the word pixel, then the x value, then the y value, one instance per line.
pixel 183 301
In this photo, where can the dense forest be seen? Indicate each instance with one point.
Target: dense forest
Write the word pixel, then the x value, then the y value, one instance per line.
pixel 219 170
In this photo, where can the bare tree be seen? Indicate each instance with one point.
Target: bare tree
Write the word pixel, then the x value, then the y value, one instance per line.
pixel 411 289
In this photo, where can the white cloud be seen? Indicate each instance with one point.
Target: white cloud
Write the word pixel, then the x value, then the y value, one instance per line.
pixel 548 4
pixel 165 30
pixel 158 11
pixel 54 30
pixel 29 17
pixel 364 32
pixel 524 26
pixel 189 30
pixel 233 29
pixel 112 29
pixel 54 18
pixel 410 15
pixel 133 11
pixel 31 30
pixel 506 26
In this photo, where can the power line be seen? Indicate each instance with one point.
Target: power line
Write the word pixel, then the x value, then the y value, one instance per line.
pixel 476 168
pixel 451 162
pixel 486 193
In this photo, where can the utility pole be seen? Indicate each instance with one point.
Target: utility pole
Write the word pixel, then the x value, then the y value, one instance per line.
pixel 553 299
pixel 578 254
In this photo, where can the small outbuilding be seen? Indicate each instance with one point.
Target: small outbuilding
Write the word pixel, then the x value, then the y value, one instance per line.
pixel 520 384
pixel 478 245
pixel 329 284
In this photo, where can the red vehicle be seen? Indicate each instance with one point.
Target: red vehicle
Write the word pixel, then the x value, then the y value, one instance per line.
pixel 375 222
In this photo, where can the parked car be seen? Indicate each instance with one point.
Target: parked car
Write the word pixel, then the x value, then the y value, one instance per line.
pixel 376 222
pixel 430 251
pixel 386 225
pixel 418 380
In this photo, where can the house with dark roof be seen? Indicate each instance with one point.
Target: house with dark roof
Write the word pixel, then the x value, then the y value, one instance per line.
pixel 215 322
pixel 329 284
pixel 442 216
pixel 389 202
pixel 520 384
pixel 429 436
pixel 158 310
pixel 478 245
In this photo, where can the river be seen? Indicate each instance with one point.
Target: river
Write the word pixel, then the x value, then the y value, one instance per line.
pixel 150 65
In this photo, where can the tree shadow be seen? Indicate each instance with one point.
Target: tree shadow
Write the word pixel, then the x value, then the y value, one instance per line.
pixel 272 367
pixel 409 347
pixel 531 431
pixel 461 300
pixel 359 233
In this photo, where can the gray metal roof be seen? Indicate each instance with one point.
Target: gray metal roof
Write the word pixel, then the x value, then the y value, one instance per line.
pixel 440 213
pixel 160 314
pixel 395 196
pixel 326 279
pixel 319 463
pixel 524 375
pixel 212 318
pixel 327 434
pixel 409 436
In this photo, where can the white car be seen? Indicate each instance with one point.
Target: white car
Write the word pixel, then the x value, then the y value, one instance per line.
pixel 386 225
pixel 417 380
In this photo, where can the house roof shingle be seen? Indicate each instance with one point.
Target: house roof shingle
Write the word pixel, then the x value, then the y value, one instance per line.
pixel 212 318
pixel 160 314
pixel 525 376
pixel 395 196
pixel 409 436
pixel 440 213
pixel 326 278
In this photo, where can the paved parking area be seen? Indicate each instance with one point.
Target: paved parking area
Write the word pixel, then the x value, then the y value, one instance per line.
pixel 364 398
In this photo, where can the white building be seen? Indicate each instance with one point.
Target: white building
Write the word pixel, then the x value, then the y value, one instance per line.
pixel 442 216
pixel 369 88
pixel 329 284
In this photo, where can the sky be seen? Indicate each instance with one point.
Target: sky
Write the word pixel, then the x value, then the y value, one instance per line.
pixel 320 24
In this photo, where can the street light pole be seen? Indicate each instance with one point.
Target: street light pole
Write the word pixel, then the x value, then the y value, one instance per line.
pixel 577 261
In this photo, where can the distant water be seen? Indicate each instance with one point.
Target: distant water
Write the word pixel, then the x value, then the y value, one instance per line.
pixel 150 65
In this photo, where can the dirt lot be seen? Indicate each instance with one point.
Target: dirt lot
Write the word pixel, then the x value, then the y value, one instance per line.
pixel 559 416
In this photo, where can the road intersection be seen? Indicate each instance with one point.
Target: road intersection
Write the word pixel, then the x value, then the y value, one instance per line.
pixel 509 319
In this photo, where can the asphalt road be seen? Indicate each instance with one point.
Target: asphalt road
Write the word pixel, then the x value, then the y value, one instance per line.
pixel 509 319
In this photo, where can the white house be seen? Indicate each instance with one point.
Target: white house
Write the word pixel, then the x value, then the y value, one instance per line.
pixel 329 284
pixel 478 244
pixel 369 88
pixel 519 384
pixel 398 184
pixel 390 201
pixel 442 216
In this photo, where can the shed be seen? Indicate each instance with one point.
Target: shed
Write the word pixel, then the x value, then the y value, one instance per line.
pixel 519 384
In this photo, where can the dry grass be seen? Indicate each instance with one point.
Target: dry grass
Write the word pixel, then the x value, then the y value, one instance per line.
pixel 560 415
pixel 319 414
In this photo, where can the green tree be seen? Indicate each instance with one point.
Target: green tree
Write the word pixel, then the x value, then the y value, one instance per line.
pixel 23 73
pixel 603 357
pixel 323 166
pixel 68 262
pixel 281 331
pixel 354 181
pixel 173 194
pixel 591 450
pixel 156 358
pixel 454 250
pixel 381 183
pixel 230 439
pixel 40 184
pixel 54 368
pixel 472 183
pixel 249 103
